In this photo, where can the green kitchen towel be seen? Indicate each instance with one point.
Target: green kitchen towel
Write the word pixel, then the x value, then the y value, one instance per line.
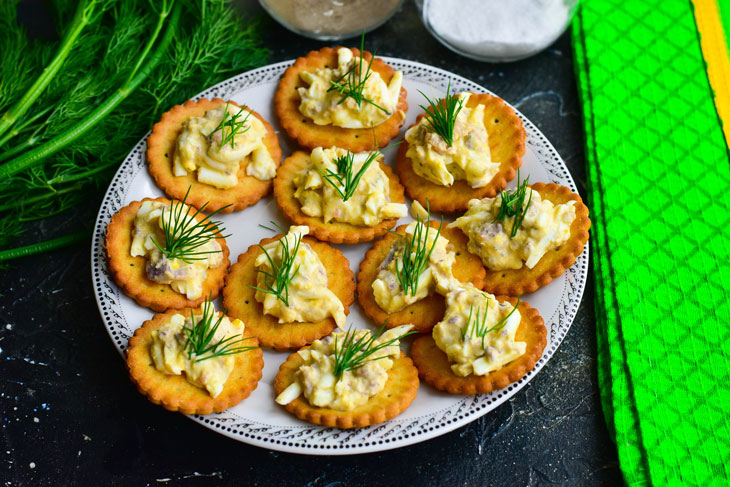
pixel 659 194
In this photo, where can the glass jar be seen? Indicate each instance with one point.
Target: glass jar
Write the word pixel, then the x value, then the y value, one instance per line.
pixel 330 20
pixel 496 30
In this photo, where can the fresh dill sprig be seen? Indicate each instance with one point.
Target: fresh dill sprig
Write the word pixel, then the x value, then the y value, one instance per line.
pixel 441 114
pixel 479 325
pixel 277 281
pixel 513 204
pixel 201 333
pixel 344 181
pixel 354 353
pixel 230 126
pixel 416 254
pixel 352 83
pixel 185 234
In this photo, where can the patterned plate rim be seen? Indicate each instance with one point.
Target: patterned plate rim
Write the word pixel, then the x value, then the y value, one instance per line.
pixel 392 434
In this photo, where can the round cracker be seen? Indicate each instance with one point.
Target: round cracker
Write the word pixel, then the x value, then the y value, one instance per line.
pixel 129 272
pixel 239 298
pixel 400 390
pixel 335 232
pixel 311 135
pixel 515 282
pixel 161 147
pixel 434 367
pixel 506 143
pixel 174 392
pixel 423 314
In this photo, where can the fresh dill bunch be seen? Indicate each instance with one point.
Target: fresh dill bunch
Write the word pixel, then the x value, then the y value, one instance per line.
pixel 416 254
pixel 278 279
pixel 216 44
pixel 230 126
pixel 185 234
pixel 513 204
pixel 353 352
pixel 344 181
pixel 201 333
pixel 478 325
pixel 441 114
pixel 352 83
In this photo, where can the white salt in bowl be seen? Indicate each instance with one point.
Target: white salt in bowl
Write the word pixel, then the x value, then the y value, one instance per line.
pixel 496 30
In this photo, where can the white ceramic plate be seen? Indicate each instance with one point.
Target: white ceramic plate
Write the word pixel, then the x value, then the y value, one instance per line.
pixel 258 420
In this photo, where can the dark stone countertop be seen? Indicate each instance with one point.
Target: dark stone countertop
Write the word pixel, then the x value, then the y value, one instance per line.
pixel 72 417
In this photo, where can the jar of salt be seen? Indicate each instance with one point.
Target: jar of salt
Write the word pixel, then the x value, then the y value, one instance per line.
pixel 496 30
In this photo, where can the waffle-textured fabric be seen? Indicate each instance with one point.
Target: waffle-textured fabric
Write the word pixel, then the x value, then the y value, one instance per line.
pixel 659 195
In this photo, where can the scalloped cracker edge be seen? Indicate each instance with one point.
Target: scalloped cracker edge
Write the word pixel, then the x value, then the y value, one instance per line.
pixel 516 282
pixel 310 135
pixel 174 392
pixel 434 367
pixel 161 147
pixel 400 390
pixel 239 298
pixel 506 144
pixel 129 272
pixel 334 232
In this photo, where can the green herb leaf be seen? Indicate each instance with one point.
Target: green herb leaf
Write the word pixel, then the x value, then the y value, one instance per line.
pixel 513 204
pixel 185 234
pixel 353 352
pixel 278 279
pixel 352 83
pixel 416 254
pixel 202 332
pixel 344 181
pixel 478 325
pixel 230 126
pixel 441 114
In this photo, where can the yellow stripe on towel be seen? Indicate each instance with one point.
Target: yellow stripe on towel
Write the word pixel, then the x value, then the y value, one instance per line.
pixel 715 51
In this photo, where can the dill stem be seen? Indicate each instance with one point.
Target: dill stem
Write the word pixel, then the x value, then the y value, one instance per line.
pixel 82 17
pixel 21 127
pixel 35 156
pixel 75 177
pixel 18 148
pixel 39 198
pixel 41 247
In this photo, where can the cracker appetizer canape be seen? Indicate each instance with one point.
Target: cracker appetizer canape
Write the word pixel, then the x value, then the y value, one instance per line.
pixel 404 276
pixel 483 343
pixel 226 153
pixel 526 237
pixel 349 380
pixel 290 290
pixel 337 95
pixel 196 361
pixel 341 196
pixel 166 254
pixel 464 147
